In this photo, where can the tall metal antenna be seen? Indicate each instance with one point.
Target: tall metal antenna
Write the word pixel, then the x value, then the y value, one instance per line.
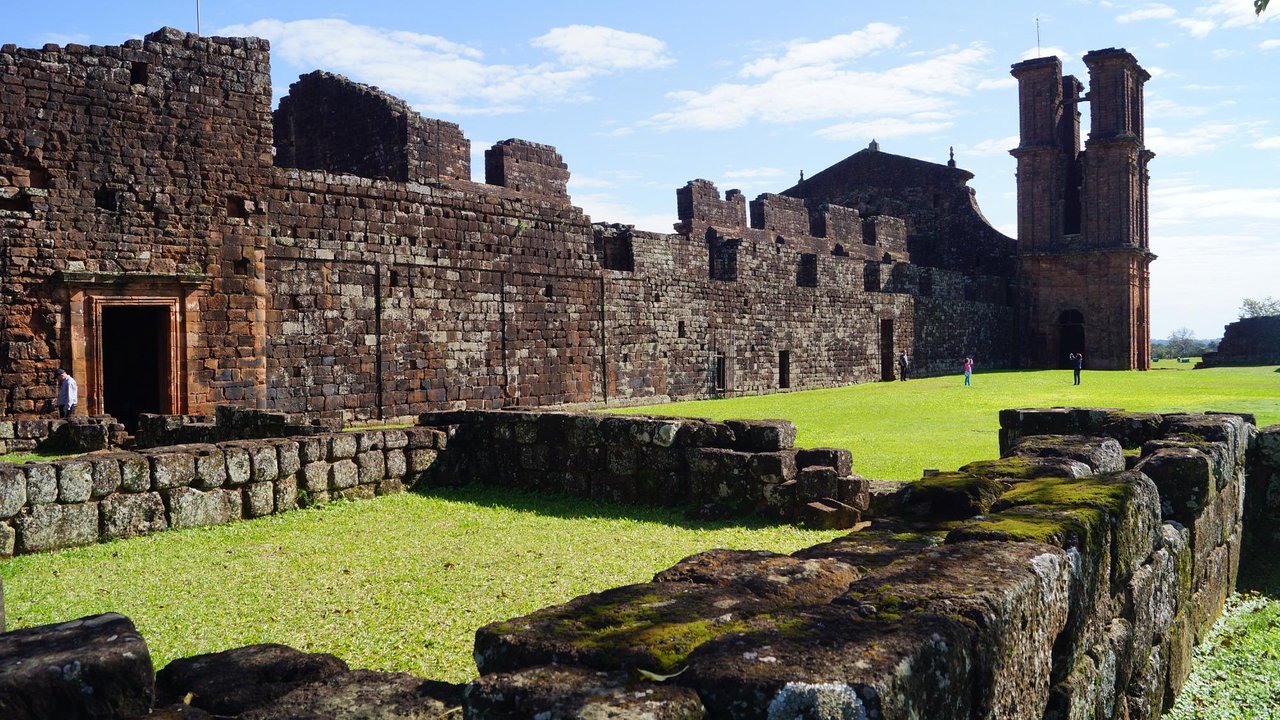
pixel 1037 32
pixel 198 17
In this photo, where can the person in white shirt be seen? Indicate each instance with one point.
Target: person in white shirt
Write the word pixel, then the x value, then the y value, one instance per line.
pixel 68 393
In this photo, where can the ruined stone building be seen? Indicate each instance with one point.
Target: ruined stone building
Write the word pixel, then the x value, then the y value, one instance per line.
pixel 176 244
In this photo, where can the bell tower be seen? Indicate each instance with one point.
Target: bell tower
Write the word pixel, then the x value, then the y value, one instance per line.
pixel 1083 246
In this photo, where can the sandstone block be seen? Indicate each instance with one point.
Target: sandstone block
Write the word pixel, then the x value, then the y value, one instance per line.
pixel 135 473
pixel 315 476
pixel 420 460
pixel 313 449
pixel 763 435
pixel 426 437
pixel 839 459
pixel 53 527
pixel 244 679
pixel 172 470
pixel 239 464
pixel 394 439
pixel 259 499
pixel 8 548
pixel 396 464
pixel 571 693
pixel 264 463
pixel 13 490
pixel 816 482
pixel 390 486
pixel 42 483
pixel 94 667
pixel 369 441
pixel 126 515
pixel 286 494
pixel 106 476
pixel 189 507
pixel 288 460
pixel 342 446
pixel 1102 455
pixel 365 694
pixel 211 466
pixel 372 466
pixel 75 481
pixel 1184 478
pixel 827 514
pixel 773 467
pixel 343 474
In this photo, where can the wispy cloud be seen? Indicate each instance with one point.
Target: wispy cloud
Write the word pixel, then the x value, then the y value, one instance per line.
pixel 1269 44
pixel 767 173
pixel 993 147
pixel 435 74
pixel 1269 143
pixel 605 48
pixel 815 82
pixel 832 51
pixel 998 83
pixel 1198 140
pixel 1051 51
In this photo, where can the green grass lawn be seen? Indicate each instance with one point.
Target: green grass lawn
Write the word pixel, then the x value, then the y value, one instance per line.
pixel 398 583
pixel 897 429
pixel 402 583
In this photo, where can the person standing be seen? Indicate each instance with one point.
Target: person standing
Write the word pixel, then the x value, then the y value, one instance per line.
pixel 968 371
pixel 68 393
pixel 904 365
pixel 1077 364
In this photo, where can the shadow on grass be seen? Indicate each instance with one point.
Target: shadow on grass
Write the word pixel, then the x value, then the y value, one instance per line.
pixel 1260 571
pixel 564 506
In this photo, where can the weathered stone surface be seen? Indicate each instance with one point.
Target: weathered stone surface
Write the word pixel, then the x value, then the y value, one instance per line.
pixel 13 490
pixel 1013 469
pixel 817 482
pixel 342 446
pixel 1185 478
pixel 763 435
pixel 365 695
pixel 839 459
pixel 172 470
pixel 396 465
pixel 394 439
pixel 557 692
pixel 94 667
pixel 1102 455
pixel 827 514
pixel 125 515
pixel 264 463
pixel 1132 429
pixel 75 481
pixel 189 507
pixel 951 496
pixel 286 494
pixel 764 574
pixel 343 474
pixel 239 464
pixel 211 466
pixel 52 527
pixel 42 483
pixel 372 465
pixel 288 461
pixel 827 662
pixel 1015 595
pixel 236 681
pixel 106 476
pixel 315 476
pixel 259 499
pixel 135 473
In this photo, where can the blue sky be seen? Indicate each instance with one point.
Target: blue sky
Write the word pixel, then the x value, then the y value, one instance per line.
pixel 642 97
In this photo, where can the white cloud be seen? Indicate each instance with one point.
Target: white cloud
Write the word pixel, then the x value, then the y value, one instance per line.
pixel 1051 51
pixel 1165 108
pixel 1197 28
pixel 431 73
pixel 1201 139
pixel 829 52
pixel 65 38
pixel 833 91
pixel 1269 44
pixel 1154 11
pixel 1270 143
pixel 994 147
pixel 998 83
pixel 881 128
pixel 604 48
pixel 603 207
pixel 617 132
pixel 1233 13
pixel 1180 201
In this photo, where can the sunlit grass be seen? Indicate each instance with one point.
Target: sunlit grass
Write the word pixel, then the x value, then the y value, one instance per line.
pixel 897 429
pixel 398 583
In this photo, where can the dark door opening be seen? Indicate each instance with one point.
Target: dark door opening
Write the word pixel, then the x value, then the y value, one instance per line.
pixel 722 372
pixel 886 350
pixel 784 369
pixel 135 362
pixel 1070 336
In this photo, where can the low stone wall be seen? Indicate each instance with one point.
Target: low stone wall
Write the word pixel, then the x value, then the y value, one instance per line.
pixel 731 468
pixel 76 434
pixel 1262 497
pixel 1066 580
pixel 228 422
pixel 111 496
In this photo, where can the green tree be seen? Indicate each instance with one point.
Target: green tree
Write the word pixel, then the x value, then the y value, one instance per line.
pixel 1260 5
pixel 1259 307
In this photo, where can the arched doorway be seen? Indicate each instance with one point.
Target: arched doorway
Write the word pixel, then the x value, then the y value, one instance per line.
pixel 1070 335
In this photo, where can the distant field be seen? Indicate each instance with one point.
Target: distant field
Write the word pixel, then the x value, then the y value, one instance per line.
pixel 897 429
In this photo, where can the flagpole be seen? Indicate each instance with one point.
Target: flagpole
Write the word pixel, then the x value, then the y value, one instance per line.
pixel 197 17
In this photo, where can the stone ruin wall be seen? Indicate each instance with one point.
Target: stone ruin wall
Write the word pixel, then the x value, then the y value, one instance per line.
pixel 1069 579
pixel 376 281
pixel 1248 341
pixel 132 169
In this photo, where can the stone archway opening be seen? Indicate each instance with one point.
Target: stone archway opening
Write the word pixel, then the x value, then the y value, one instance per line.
pixel 1070 336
